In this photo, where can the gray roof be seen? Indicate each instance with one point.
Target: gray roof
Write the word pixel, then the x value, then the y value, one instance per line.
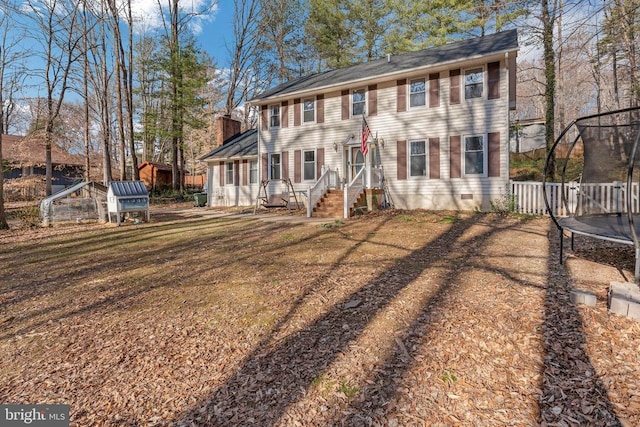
pixel 127 188
pixel 242 145
pixel 504 41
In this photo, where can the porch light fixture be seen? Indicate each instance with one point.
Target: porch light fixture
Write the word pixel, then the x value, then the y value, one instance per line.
pixel 335 146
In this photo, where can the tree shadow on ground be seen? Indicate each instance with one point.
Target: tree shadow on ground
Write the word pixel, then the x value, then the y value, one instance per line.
pixel 275 376
pixel 572 392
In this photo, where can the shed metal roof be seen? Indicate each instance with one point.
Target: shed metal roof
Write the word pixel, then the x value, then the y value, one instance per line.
pixel 241 145
pixel 127 189
pixel 504 41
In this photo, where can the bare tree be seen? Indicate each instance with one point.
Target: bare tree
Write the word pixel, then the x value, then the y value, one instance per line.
pixel 60 39
pixel 10 56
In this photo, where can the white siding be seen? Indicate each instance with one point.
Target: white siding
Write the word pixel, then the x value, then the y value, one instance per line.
pixel 476 116
pixel 220 194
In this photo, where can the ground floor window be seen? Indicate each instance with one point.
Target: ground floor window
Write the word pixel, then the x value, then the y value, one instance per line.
pixel 418 158
pixel 229 174
pixel 275 166
pixel 309 165
pixel 474 155
pixel 253 171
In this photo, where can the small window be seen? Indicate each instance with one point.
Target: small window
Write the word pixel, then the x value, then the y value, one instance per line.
pixel 418 158
pixel 309 165
pixel 309 110
pixel 274 116
pixel 474 155
pixel 253 171
pixel 229 174
pixel 358 99
pixel 275 166
pixel 473 83
pixel 417 95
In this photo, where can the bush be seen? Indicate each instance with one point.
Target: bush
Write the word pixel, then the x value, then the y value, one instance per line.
pixel 29 216
pixel 506 204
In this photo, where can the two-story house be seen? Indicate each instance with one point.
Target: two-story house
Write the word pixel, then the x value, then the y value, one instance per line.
pixel 438 121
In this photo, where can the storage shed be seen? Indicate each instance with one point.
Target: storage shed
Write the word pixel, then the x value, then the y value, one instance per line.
pixel 127 197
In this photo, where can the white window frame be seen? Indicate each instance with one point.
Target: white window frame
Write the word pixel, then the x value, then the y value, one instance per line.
pixel 363 102
pixel 272 166
pixel 485 154
pixel 312 110
pixel 253 171
pixel 228 171
pixel 305 163
pixel 425 155
pixel 425 83
pixel 273 116
pixel 483 72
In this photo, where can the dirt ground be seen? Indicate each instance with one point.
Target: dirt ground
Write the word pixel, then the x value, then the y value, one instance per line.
pixel 390 319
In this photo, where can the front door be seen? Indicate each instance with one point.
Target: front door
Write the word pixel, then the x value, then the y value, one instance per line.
pixel 355 162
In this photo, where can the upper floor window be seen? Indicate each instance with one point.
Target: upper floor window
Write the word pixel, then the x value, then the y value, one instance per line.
pixel 473 83
pixel 309 110
pixel 474 155
pixel 417 93
pixel 274 116
pixel 418 158
pixel 275 166
pixel 358 100
pixel 229 174
pixel 253 171
pixel 309 166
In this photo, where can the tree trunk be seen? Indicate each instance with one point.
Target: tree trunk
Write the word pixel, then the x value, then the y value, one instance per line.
pixel 3 218
pixel 550 87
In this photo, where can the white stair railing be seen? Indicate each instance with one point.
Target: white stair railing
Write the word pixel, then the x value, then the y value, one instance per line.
pixel 352 191
pixel 328 179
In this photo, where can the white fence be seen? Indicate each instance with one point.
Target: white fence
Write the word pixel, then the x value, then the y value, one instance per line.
pixel 608 197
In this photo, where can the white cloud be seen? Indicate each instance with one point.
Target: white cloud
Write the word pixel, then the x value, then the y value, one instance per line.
pixel 148 13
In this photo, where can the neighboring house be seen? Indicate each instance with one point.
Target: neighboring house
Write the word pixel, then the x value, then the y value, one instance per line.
pixel 527 135
pixel 439 120
pixel 232 178
pixel 25 156
pixel 156 176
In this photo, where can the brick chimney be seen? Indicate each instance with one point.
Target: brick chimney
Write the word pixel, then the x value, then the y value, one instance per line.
pixel 226 127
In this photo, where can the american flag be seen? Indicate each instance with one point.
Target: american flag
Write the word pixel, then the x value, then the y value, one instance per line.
pixel 366 133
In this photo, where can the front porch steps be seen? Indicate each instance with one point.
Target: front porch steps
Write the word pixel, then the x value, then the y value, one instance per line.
pixel 331 205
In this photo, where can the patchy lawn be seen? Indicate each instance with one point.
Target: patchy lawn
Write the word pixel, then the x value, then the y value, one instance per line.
pixel 399 318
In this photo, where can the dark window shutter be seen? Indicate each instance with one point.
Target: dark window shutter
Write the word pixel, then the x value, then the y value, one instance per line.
pixel 285 164
pixel 265 167
pixel 494 154
pixel 320 109
pixel 401 99
pixel 373 100
pixel 434 158
pixel 434 90
pixel 455 157
pixel 402 159
pixel 319 162
pixel 493 70
pixel 454 86
pixel 236 172
pixel 222 183
pixel 245 167
pixel 285 114
pixel 345 104
pixel 296 112
pixel 512 81
pixel 265 117
pixel 297 166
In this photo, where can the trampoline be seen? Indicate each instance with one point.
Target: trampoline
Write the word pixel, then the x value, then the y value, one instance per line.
pixel 596 159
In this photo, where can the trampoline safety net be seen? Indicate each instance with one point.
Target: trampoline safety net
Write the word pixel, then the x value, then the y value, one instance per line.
pixel 596 161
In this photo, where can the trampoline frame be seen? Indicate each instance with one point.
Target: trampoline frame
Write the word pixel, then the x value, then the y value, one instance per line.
pixel 586 224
